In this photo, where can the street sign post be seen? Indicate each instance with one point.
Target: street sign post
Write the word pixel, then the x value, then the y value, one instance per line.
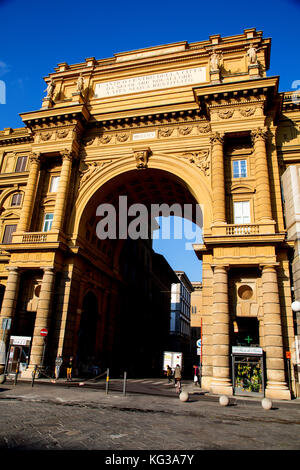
pixel 44 333
pixel 6 323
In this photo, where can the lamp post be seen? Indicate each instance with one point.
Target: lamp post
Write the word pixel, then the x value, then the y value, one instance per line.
pixel 296 309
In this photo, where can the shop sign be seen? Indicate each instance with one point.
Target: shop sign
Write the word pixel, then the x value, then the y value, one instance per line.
pixel 246 350
pixel 20 340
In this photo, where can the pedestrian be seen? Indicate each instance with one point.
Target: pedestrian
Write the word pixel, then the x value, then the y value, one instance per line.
pixel 58 363
pixel 70 368
pixel 196 375
pixel 169 374
pixel 177 377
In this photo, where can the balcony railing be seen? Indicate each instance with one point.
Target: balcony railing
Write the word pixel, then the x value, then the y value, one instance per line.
pixel 34 237
pixel 245 229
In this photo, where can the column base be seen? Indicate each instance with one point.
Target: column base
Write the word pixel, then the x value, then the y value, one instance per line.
pixel 278 390
pixel 221 387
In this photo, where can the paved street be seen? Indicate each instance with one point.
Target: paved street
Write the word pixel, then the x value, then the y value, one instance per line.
pixel 62 417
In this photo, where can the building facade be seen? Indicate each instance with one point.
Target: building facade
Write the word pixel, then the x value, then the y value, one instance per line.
pixel 199 124
pixel 180 323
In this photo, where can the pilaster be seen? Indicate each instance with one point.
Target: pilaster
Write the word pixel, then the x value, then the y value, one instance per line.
pixel 221 382
pixel 264 210
pixel 218 185
pixel 276 385
pixel 62 193
pixel 30 192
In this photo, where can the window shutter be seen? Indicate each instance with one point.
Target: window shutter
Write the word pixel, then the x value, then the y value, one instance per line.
pixel 8 232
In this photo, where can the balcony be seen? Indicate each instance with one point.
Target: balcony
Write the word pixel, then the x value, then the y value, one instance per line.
pixel 34 237
pixel 243 230
pixel 246 229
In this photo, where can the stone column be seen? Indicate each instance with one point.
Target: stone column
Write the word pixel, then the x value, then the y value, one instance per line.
pixel 62 192
pixel 9 301
pixel 43 317
pixel 218 182
pixel 263 198
pixel 221 381
pixel 276 384
pixel 30 192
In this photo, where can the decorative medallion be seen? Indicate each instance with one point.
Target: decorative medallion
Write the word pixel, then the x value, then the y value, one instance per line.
pixel 62 133
pixel 204 129
pixel 105 139
pixel 89 141
pixel 165 132
pixel 185 130
pixel 45 136
pixel 122 137
pixel 225 113
pixel 246 112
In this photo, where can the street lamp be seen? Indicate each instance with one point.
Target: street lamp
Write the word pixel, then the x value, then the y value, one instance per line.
pixel 296 308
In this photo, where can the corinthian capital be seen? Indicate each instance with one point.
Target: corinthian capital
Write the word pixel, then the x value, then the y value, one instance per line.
pixel 259 134
pixel 34 157
pixel 216 138
pixel 66 154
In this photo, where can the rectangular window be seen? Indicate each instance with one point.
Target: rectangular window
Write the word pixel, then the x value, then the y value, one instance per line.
pixel 8 232
pixel 16 199
pixel 54 184
pixel 239 168
pixel 47 222
pixel 242 212
pixel 21 164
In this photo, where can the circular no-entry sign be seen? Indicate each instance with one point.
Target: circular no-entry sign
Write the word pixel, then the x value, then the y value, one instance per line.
pixel 44 332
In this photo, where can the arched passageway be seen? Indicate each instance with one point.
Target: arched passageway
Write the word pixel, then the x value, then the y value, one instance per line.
pixel 134 326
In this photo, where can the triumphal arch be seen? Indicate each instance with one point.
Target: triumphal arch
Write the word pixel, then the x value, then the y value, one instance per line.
pixel 183 123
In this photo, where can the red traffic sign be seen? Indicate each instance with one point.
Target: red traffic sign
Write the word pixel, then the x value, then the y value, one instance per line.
pixel 43 332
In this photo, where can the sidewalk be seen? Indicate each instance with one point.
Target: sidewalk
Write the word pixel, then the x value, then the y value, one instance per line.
pixel 72 393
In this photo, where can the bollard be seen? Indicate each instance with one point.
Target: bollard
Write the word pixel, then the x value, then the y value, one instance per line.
pixel 107 381
pixel 33 375
pixel 224 400
pixel 266 403
pixel 124 383
pixel 184 396
pixel 16 378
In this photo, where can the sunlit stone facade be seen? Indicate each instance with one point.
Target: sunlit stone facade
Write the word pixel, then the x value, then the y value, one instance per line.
pixel 198 123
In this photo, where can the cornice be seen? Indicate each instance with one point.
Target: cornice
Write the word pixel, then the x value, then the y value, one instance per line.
pixel 150 118
pixel 238 94
pixel 15 136
pixel 291 101
pixel 66 114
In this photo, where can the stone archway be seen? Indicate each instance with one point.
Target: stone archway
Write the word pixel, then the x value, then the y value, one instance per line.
pixel 123 336
pixel 182 169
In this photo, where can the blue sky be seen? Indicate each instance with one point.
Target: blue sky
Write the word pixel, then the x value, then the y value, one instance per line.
pixel 35 36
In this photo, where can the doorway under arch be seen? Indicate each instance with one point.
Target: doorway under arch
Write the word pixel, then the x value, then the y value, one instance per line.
pixel 85 357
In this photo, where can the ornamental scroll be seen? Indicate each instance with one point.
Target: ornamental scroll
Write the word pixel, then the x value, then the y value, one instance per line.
pixel 201 159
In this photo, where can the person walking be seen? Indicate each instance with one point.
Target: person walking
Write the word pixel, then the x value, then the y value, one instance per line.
pixel 169 374
pixel 58 363
pixel 70 368
pixel 177 377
